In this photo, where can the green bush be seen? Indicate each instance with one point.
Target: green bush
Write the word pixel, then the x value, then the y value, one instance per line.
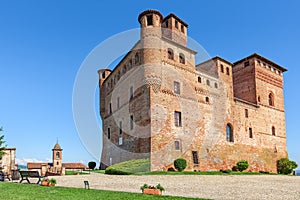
pixel 286 166
pixel 180 164
pixel 129 167
pixel 92 164
pixel 242 165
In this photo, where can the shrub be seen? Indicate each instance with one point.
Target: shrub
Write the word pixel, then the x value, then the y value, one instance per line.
pixel 180 164
pixel 286 166
pixel 242 165
pixel 145 186
pixel 92 165
pixel 171 169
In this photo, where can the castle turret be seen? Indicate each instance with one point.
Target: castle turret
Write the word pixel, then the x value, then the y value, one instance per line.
pixel 175 29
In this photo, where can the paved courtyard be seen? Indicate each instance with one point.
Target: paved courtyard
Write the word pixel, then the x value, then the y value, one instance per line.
pixel 203 186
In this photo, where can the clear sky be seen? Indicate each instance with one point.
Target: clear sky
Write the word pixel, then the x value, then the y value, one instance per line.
pixel 43 43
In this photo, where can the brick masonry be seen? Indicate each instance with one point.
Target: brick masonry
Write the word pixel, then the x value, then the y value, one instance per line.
pixel 138 103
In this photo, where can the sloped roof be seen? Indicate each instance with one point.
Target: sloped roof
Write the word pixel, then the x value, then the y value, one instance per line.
pixel 74 166
pixel 57 147
pixel 36 165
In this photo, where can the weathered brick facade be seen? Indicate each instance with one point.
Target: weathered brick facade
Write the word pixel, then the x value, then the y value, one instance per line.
pixel 158 104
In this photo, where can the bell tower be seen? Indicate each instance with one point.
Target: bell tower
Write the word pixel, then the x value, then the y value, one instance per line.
pixel 57 158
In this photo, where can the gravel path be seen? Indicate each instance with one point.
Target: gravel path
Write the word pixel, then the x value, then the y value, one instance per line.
pixel 203 186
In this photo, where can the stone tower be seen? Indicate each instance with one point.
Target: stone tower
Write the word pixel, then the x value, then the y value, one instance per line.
pixel 57 158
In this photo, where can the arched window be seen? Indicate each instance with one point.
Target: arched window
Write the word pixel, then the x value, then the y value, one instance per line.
pixel 199 79
pixel 207 99
pixel 273 130
pixel 271 99
pixel 124 69
pixel 216 85
pixel 57 155
pixel 181 58
pixel 170 54
pixel 103 74
pixel 229 133
pixel 136 59
pixel 208 82
pixel 130 64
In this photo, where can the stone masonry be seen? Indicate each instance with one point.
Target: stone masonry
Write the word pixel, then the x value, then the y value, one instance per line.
pixel 157 103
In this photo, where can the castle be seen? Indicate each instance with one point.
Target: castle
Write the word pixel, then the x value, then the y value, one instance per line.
pixel 157 103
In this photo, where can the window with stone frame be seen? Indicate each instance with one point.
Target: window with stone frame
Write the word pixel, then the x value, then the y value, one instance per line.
pixel 170 54
pixel 181 58
pixel 176 24
pixel 195 157
pixel 177 144
pixel 229 133
pixel 207 82
pixel 207 99
pixel 131 122
pixel 110 108
pixel 177 118
pixel 57 155
pixel 199 79
pixel 130 64
pixel 246 64
pixel 176 87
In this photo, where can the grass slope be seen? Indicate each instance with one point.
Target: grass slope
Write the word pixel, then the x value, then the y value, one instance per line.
pixel 33 191
pixel 129 167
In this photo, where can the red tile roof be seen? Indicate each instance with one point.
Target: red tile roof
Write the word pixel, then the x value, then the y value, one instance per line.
pixel 74 166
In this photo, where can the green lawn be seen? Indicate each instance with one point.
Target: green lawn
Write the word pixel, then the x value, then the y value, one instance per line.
pixel 32 191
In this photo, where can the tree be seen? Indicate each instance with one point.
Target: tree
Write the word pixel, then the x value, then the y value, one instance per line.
pixel 286 166
pixel 92 164
pixel 180 164
pixel 2 147
pixel 242 165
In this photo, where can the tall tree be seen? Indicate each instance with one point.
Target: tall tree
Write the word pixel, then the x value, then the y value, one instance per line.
pixel 2 147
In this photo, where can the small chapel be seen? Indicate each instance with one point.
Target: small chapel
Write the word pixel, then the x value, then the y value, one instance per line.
pixel 57 167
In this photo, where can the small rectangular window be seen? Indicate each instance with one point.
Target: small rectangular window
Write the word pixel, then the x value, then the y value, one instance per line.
pixel 246 64
pixel 120 140
pixel 108 133
pixel 120 128
pixel 131 122
pixel 177 118
pixel 131 92
pixel 182 28
pixel 250 133
pixel 195 157
pixel 110 108
pixel 176 87
pixel 199 79
pixel 246 113
pixel 176 24
pixel 177 145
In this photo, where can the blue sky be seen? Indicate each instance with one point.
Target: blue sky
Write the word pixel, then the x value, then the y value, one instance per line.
pixel 43 43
